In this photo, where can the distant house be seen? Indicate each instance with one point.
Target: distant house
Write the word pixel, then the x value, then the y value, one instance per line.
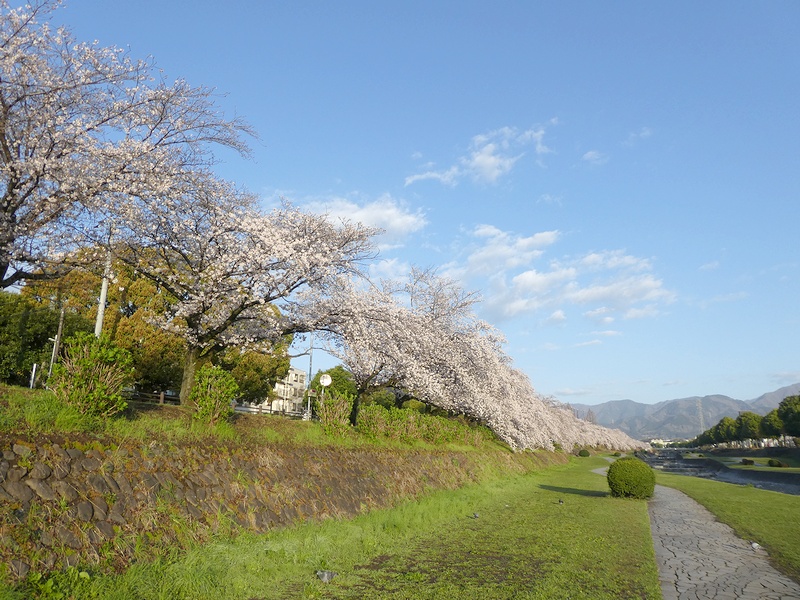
pixel 289 392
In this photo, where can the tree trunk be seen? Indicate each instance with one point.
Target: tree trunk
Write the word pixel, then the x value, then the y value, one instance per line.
pixel 354 410
pixel 194 361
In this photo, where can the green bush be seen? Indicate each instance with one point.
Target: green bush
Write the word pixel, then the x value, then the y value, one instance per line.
pixel 334 412
pixel 774 462
pixel 747 461
pixel 629 477
pixel 415 405
pixel 373 421
pixel 213 392
pixel 584 452
pixel 92 374
pixel 410 426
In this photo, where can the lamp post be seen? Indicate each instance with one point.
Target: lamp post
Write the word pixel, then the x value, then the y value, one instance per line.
pixel 324 381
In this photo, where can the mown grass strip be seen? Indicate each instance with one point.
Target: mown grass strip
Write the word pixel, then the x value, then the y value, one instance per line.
pixel 523 544
pixel 769 518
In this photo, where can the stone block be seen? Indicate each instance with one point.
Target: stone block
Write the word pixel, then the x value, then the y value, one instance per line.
pixel 64 489
pixel 18 490
pixel 91 464
pixel 98 483
pixel 85 511
pixel 16 473
pixel 42 489
pixel 74 453
pixel 40 471
pixel 22 450
pixel 61 468
pixel 67 537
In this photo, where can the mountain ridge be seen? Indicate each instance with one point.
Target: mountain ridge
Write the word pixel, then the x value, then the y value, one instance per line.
pixel 681 418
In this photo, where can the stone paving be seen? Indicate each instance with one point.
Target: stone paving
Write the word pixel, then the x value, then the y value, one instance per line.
pixel 700 558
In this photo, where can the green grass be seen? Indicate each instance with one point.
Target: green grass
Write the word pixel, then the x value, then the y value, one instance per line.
pixel 769 518
pixel 35 412
pixel 524 544
pixel 761 463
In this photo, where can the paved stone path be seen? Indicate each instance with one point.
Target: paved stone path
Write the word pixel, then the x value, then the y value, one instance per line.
pixel 700 558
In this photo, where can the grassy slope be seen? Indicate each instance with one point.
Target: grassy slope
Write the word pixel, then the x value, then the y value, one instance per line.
pixel 524 544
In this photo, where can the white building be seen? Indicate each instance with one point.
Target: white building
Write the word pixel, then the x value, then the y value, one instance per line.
pixel 289 392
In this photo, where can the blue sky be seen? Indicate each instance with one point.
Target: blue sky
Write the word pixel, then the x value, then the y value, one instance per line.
pixel 619 180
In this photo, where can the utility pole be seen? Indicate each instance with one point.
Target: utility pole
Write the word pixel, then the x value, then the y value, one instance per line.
pixel 56 343
pixel 101 307
pixel 307 416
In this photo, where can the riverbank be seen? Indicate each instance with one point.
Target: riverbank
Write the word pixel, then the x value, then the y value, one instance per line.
pixel 677 461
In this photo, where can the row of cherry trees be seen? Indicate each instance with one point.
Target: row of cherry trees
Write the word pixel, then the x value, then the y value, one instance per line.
pixel 103 160
pixel 423 335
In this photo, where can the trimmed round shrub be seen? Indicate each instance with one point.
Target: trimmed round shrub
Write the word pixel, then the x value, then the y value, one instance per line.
pixel 584 452
pixel 747 461
pixel 629 477
pixel 774 462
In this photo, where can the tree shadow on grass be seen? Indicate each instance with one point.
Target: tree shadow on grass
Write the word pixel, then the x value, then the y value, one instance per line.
pixel 576 491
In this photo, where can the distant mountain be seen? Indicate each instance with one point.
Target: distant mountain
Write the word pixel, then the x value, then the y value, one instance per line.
pixel 683 418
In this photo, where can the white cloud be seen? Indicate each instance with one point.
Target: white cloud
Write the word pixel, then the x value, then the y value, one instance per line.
pixel 488 164
pixel 619 291
pixel 786 377
pixel 572 392
pixel 589 343
pixel 635 136
pixel 449 177
pixel 517 280
pixel 489 157
pixel 607 333
pixel 557 316
pixel 502 251
pixel 549 199
pixel 644 312
pixel 389 269
pixel 710 266
pixel 595 157
pixel 614 259
pixel 535 282
pixel 392 216
pixel 601 315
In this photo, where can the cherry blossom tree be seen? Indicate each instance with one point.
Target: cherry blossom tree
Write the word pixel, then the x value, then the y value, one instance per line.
pixel 82 126
pixel 232 274
pixel 424 336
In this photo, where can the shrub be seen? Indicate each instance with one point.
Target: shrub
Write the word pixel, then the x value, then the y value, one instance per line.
pixel 629 477
pixel 213 392
pixel 92 375
pixel 774 462
pixel 334 412
pixel 584 452
pixel 373 421
pixel 747 461
pixel 617 454
pixel 415 405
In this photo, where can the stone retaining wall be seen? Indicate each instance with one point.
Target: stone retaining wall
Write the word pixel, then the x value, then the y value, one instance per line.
pixel 66 502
